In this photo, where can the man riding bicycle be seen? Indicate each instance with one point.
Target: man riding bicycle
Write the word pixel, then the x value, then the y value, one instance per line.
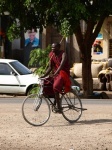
pixel 59 66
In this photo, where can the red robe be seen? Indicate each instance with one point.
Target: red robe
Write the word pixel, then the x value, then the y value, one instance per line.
pixel 62 79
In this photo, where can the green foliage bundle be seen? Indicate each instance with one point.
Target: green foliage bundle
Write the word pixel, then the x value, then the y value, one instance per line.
pixel 39 58
pixel 13 32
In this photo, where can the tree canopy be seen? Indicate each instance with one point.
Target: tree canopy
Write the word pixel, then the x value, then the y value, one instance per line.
pixel 41 13
pixel 65 16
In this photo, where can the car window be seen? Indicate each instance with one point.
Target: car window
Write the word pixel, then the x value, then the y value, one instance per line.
pixel 20 68
pixel 5 69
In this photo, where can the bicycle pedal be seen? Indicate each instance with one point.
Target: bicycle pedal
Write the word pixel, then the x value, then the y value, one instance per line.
pixel 58 111
pixel 83 109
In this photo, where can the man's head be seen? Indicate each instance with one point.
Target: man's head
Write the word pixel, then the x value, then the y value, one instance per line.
pixel 55 47
pixel 31 34
pixel 98 42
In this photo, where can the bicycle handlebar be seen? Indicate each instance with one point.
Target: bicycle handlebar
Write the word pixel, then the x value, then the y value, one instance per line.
pixel 41 80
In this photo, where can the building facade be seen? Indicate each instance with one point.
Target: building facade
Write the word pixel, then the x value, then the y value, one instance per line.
pixel 13 49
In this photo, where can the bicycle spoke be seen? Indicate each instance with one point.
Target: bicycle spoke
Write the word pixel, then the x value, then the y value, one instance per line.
pixel 71 107
pixel 35 110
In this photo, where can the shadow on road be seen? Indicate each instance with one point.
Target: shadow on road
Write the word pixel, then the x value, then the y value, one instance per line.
pixel 87 122
pixel 98 121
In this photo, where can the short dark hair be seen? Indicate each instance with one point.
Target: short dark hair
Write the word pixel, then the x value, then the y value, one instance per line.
pixel 56 44
pixel 99 42
pixel 32 30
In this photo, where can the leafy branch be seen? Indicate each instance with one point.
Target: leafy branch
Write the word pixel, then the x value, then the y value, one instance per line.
pixel 39 57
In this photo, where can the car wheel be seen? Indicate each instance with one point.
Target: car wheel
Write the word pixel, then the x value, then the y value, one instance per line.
pixel 32 90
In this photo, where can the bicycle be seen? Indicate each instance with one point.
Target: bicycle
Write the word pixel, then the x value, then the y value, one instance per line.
pixel 36 108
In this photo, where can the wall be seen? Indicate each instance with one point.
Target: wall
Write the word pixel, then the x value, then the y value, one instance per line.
pixel 106 31
pixel 75 50
pixel 50 35
pixel 107 34
pixel 16 44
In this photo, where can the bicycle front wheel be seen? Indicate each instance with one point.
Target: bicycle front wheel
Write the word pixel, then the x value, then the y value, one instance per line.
pixel 36 110
pixel 71 107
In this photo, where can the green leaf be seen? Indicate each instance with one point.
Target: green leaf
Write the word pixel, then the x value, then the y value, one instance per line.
pixel 40 56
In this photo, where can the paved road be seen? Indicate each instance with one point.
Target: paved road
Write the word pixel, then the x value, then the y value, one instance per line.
pixel 11 100
pixel 84 101
pixel 92 132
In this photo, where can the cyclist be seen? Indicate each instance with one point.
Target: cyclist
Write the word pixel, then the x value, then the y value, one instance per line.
pixel 59 66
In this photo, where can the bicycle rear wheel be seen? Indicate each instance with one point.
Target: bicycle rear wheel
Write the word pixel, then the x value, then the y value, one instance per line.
pixel 71 107
pixel 36 110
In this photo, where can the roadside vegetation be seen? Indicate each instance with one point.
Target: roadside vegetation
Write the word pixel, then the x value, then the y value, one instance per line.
pixel 66 16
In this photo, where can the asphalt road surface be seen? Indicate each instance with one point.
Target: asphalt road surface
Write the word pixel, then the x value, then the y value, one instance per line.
pixel 92 132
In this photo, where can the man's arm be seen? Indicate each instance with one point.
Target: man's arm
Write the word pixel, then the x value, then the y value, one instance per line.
pixel 47 71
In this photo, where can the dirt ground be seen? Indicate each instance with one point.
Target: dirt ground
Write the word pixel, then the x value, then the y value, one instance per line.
pixel 92 132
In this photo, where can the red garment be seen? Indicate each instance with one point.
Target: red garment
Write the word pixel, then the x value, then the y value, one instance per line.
pixel 58 84
pixel 66 79
pixel 62 79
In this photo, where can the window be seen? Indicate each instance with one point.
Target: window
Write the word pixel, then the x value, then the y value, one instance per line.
pixel 5 69
pixel 20 68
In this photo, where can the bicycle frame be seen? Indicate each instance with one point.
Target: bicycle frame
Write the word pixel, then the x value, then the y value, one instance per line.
pixel 36 108
pixel 49 99
pixel 41 93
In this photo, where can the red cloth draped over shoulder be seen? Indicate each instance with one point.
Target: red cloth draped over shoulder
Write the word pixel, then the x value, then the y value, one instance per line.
pixel 56 60
pixel 64 73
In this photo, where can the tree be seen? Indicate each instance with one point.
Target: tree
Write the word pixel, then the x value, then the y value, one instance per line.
pixel 65 16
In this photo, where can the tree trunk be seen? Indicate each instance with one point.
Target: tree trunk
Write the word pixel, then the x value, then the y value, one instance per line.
pixel 22 43
pixel 87 80
pixel 85 42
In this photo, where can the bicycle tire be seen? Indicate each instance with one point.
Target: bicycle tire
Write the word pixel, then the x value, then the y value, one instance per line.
pixel 36 110
pixel 71 106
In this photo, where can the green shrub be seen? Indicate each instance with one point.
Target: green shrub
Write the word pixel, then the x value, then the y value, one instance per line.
pixel 39 58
